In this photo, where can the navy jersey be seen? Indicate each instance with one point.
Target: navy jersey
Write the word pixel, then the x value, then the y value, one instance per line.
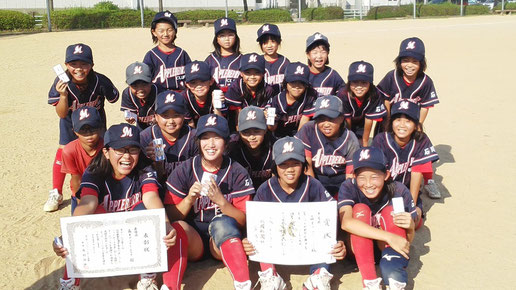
pixel 168 69
pixel 144 111
pixel 350 194
pixel 233 180
pixel 327 82
pixel 117 195
pixel 183 148
pixel 224 69
pixel 329 158
pixel 401 160
pixel 288 116
pixel 259 168
pixel 194 110
pixel 308 189
pixel 421 91
pixel 275 72
pixel 358 112
pixel 235 95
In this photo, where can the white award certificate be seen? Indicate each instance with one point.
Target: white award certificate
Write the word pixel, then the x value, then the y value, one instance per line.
pixel 115 244
pixel 292 233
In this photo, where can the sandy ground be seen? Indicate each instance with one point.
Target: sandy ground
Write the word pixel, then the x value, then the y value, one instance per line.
pixel 468 235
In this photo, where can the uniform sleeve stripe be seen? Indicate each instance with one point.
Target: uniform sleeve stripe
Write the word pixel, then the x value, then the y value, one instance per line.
pixel 241 191
pixel 89 184
pixel 375 114
pixel 175 190
pixel 430 102
pixel 429 157
pixel 347 201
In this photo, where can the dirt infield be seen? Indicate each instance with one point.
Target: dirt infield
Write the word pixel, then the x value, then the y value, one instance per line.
pixel 468 236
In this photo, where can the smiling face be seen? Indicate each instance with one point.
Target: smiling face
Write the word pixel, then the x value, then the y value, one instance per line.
pixel 296 89
pixel 212 146
pixel 79 70
pixel 164 33
pixel 199 88
pixel 140 89
pixel 318 57
pixel 370 182
pixel 252 77
pixel 170 123
pixel 226 39
pixel 410 66
pixel 270 47
pixel 289 173
pixel 359 88
pixel 403 127
pixel 329 127
pixel 123 160
pixel 252 137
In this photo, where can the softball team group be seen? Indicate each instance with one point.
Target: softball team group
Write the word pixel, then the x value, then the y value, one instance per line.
pixel 204 137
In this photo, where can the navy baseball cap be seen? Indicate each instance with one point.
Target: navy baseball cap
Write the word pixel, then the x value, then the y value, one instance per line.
pixel 197 70
pixel 406 107
pixel 224 23
pixel 267 28
pixel 297 72
pixel 138 71
pixel 212 123
pixel 361 71
pixel 413 47
pixel 86 116
pixel 329 106
pixel 79 51
pixel 165 16
pixel 317 37
pixel 251 117
pixel 369 157
pixel 288 148
pixel 122 135
pixel 252 60
pixel 170 100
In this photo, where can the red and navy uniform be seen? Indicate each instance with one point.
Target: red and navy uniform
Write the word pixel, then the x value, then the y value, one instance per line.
pixel 421 91
pixel 350 194
pixel 224 69
pixel 288 116
pixel 260 169
pixel 234 95
pixel 168 68
pixel 416 156
pixel 98 89
pixel 308 189
pixel 358 111
pixel 175 153
pixel 331 160
pixel 144 111
pixel 275 72
pixel 118 195
pixel 233 180
pixel 195 109
pixel 328 82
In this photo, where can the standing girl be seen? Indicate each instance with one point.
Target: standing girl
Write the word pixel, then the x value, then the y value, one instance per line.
pixel 224 61
pixel 208 194
pixel 366 213
pixel 409 152
pixel 199 94
pixel 323 78
pixel 290 184
pixel 294 105
pixel 116 181
pixel 269 38
pixel 362 102
pixel 329 146
pixel 166 60
pixel 252 147
pixel 85 88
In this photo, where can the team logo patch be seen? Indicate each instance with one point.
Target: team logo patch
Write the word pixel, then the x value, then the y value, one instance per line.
pixel 170 98
pixel 325 104
pixel 253 58
pixel 137 70
pixel 364 155
pixel 83 114
pixel 195 68
pixel 317 36
pixel 212 121
pixel 411 45
pixel 78 49
pixel 359 214
pixel 251 115
pixel 288 147
pixel 265 28
pixel 167 14
pixel 404 105
pixel 361 68
pixel 300 70
pixel 127 132
pixel 223 22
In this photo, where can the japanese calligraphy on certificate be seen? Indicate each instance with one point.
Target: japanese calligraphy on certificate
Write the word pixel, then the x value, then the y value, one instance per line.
pixel 114 244
pixel 292 233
